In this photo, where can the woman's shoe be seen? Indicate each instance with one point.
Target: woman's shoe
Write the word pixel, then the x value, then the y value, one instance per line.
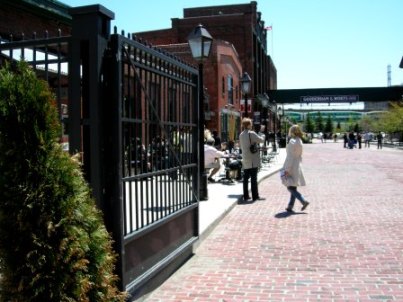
pixel 304 205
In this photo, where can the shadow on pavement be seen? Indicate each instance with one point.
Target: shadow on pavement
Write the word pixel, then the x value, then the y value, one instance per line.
pixel 286 214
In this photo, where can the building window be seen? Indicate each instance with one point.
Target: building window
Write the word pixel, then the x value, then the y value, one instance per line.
pixel 230 89
pixel 223 86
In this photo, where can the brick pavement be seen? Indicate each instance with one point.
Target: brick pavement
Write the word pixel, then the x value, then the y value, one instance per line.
pixel 347 246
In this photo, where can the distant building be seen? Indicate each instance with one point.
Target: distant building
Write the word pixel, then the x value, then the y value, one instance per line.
pixel 23 18
pixel 240 44
pixel 236 26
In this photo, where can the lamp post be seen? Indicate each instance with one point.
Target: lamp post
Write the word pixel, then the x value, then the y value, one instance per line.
pixel 281 115
pixel 274 126
pixel 245 86
pixel 265 104
pixel 200 42
pixel 282 140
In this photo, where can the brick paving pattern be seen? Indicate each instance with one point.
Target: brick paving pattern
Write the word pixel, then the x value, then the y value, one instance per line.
pixel 347 245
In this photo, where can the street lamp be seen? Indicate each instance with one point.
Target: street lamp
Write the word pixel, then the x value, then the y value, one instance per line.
pixel 282 140
pixel 200 42
pixel 281 115
pixel 265 105
pixel 274 126
pixel 245 86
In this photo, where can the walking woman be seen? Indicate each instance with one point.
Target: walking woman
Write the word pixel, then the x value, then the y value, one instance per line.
pixel 293 168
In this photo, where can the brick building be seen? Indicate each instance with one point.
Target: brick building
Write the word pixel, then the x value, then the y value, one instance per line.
pixel 241 26
pixel 240 40
pixel 20 18
pixel 221 76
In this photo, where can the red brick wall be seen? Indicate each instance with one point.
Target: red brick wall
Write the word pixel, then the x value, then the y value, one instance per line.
pixel 236 24
pixel 17 19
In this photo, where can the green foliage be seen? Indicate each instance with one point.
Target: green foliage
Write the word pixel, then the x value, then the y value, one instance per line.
pixel 392 120
pixel 329 125
pixel 53 244
pixel 319 122
pixel 309 126
pixel 367 124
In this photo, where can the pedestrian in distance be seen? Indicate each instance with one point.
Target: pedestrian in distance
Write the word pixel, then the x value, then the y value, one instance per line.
pixel 379 138
pixel 367 139
pixel 250 161
pixel 293 168
pixel 359 140
pixel 345 140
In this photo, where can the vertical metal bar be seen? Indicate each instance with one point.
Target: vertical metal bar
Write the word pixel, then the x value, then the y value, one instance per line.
pixel 22 48
pixel 46 58
pixel 59 78
pixel 115 189
pixel 34 53
pixel 11 49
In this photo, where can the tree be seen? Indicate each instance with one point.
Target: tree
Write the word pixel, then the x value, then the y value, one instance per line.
pixel 53 244
pixel 319 123
pixel 366 123
pixel 356 128
pixel 329 124
pixel 392 120
pixel 309 126
pixel 338 127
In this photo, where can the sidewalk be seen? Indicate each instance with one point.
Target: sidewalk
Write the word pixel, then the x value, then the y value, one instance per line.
pixel 223 197
pixel 347 245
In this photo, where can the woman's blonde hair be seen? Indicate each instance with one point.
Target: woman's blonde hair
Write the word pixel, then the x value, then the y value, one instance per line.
pixel 295 130
pixel 246 123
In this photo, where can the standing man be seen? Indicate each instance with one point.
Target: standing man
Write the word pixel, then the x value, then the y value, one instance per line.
pixel 379 138
pixel 367 139
pixel 250 161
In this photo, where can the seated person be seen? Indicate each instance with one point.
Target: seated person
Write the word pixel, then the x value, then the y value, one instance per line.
pixel 235 160
pixel 212 158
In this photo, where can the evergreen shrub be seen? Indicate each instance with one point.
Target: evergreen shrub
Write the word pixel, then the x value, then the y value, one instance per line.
pixel 53 243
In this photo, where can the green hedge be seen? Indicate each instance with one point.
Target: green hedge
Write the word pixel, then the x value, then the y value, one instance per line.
pixel 53 243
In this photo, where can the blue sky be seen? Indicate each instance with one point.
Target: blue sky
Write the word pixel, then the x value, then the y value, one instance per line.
pixel 314 43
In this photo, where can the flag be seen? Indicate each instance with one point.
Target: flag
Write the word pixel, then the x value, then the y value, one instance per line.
pixel 268 28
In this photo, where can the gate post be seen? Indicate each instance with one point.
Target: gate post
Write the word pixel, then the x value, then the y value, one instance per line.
pixel 90 34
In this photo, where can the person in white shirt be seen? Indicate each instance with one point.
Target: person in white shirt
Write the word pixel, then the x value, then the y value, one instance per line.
pixel 212 158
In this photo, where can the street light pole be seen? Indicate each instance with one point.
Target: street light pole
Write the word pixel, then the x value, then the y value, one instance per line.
pixel 265 111
pixel 245 86
pixel 274 126
pixel 200 42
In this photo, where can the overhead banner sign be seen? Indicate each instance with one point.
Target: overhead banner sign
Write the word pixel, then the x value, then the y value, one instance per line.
pixel 330 99
pixel 243 105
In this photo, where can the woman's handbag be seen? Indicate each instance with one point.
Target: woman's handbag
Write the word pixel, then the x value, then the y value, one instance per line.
pixel 285 179
pixel 253 147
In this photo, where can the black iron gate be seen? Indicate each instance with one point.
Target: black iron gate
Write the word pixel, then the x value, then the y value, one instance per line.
pixel 131 110
pixel 152 136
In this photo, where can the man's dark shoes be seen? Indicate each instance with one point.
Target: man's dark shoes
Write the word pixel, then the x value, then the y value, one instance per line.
pixel 304 205
pixel 259 198
pixel 289 210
